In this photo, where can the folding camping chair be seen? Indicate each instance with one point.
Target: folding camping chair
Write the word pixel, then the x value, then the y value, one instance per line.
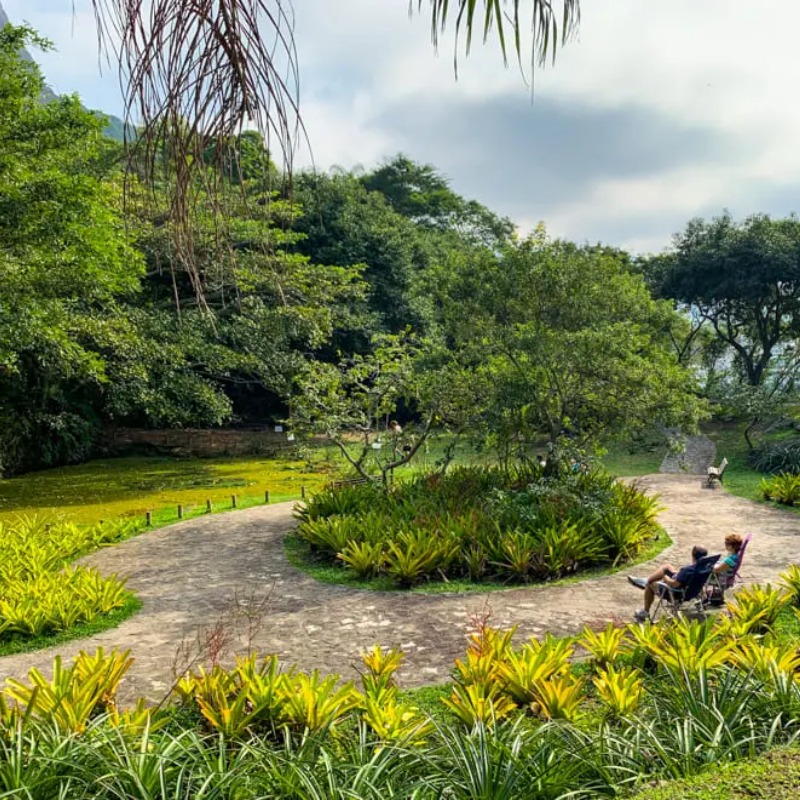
pixel 674 602
pixel 718 583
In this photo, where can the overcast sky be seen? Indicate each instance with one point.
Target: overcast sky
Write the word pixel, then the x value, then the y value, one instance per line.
pixel 660 111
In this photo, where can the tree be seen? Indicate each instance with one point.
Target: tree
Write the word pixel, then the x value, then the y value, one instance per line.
pixel 569 345
pixel 65 256
pixel 743 280
pixel 420 193
pixel 197 73
pixel 355 403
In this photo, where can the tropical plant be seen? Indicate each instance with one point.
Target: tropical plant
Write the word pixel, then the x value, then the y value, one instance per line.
pixel 783 489
pixel 74 694
pixel 479 703
pixel 757 606
pixel 365 559
pixel 790 582
pixel 604 646
pixel 619 691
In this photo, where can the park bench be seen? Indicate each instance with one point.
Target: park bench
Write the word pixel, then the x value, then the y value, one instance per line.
pixel 716 473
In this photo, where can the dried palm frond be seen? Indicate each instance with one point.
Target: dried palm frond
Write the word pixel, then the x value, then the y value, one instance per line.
pixel 194 74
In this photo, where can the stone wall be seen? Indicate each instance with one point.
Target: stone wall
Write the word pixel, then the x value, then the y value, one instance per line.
pixel 196 442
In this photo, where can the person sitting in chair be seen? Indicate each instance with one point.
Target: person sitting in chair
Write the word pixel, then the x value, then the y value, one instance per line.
pixel 733 544
pixel 666 573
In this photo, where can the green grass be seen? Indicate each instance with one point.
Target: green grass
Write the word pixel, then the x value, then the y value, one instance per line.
pixel 299 555
pixel 101 623
pixel 128 487
pixel 623 461
pixel 774 776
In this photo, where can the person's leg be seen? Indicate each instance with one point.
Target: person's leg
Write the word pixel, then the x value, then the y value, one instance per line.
pixel 661 573
pixel 649 596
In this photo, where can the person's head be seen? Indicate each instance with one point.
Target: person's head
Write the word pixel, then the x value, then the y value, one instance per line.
pixel 733 542
pixel 698 553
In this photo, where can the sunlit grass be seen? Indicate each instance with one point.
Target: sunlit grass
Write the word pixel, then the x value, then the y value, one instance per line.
pixel 129 487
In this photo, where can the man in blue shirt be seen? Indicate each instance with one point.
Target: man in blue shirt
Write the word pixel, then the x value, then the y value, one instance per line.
pixel 666 573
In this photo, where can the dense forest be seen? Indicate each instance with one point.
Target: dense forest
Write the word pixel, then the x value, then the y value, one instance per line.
pixel 329 299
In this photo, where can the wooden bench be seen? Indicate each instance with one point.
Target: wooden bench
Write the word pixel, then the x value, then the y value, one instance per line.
pixel 716 473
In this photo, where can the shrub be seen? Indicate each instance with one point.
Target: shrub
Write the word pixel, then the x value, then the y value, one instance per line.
pixel 777 457
pixel 479 523
pixel 783 488
pixel 39 594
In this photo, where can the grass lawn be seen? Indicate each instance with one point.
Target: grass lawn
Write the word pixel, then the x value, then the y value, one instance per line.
pixel 128 487
pixel 774 776
pixel 623 461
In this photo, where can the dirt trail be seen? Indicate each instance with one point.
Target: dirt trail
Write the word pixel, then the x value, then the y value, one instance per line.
pixel 188 575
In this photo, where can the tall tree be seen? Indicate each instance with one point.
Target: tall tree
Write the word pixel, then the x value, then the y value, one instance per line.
pixel 743 280
pixel 65 256
pixel 569 344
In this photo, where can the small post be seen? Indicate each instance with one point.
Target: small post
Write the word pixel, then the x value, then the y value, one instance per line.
pixel 148 518
pixel 180 511
pixel 303 492
pixel 208 506
pixel 266 496
pixel 233 501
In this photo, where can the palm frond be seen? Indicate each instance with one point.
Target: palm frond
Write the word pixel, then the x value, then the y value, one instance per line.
pixel 548 28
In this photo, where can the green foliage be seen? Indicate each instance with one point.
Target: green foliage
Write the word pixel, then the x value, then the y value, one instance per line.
pixel 729 272
pixel 784 489
pixel 757 607
pixel 777 457
pixel 38 594
pixel 552 327
pixel 271 732
pixel 619 691
pixel 481 524
pixel 790 581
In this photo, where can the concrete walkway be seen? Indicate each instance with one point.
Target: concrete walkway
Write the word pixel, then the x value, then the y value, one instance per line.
pixel 190 575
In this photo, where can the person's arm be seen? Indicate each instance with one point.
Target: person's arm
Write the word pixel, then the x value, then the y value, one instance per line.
pixel 721 566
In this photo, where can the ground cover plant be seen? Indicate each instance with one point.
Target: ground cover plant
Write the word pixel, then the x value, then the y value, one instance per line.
pixel 117 488
pixel 40 593
pixel 480 524
pixel 525 720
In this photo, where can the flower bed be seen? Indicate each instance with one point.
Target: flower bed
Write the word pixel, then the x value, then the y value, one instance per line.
pixel 480 524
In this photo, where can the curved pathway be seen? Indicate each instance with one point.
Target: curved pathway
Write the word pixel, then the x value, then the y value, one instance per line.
pixel 191 575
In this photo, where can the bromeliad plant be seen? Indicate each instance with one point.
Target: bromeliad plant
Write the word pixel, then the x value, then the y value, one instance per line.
pixel 479 524
pixel 39 593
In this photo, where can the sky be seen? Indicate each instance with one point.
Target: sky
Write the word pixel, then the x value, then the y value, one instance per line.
pixel 659 111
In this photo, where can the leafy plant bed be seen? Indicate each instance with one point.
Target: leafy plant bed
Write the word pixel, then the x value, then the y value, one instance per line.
pixel 649 704
pixel 42 596
pixel 102 622
pixel 477 526
pixel 300 555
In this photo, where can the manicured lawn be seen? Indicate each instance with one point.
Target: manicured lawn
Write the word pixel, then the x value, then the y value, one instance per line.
pixel 128 487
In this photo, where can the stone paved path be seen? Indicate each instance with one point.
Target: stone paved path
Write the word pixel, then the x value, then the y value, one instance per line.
pixel 188 575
